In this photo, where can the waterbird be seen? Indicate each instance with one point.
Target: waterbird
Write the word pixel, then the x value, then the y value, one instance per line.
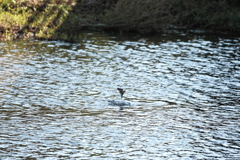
pixel 121 104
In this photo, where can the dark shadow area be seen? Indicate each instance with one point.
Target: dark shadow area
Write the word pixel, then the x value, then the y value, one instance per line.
pixel 84 15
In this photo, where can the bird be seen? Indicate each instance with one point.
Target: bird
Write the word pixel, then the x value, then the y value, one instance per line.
pixel 121 91
pixel 121 104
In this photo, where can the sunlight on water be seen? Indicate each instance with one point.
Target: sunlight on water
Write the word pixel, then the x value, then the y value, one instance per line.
pixel 182 96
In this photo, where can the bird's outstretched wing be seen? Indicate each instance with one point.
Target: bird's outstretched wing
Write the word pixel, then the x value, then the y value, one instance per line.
pixel 121 91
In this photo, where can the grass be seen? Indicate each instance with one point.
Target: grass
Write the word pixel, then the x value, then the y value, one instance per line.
pixel 141 15
pixel 10 24
pixel 41 18
pixel 9 20
pixel 157 15
pixel 64 19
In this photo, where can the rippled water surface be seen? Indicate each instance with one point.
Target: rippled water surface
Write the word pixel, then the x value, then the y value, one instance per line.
pixel 183 89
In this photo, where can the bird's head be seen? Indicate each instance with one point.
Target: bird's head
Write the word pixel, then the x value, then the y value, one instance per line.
pixel 121 91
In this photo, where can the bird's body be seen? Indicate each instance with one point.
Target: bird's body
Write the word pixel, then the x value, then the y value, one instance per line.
pixel 118 103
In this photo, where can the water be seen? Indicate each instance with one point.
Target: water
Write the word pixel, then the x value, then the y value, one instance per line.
pixel 183 89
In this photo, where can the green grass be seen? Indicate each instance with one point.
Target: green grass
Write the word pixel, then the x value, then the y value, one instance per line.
pixel 9 20
pixel 42 19
pixel 11 24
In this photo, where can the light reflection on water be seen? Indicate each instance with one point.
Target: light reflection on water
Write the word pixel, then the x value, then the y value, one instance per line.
pixel 184 93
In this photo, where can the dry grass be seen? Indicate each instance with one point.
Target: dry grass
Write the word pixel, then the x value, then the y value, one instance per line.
pixel 140 15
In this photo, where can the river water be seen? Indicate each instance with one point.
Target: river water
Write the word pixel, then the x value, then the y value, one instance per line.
pixel 183 89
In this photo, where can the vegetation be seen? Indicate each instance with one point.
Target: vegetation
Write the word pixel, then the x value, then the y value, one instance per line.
pixel 156 15
pixel 64 19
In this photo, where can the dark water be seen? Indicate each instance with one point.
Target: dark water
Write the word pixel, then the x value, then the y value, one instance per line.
pixel 184 92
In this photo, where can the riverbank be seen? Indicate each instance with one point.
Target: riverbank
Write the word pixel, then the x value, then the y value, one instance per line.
pixel 64 19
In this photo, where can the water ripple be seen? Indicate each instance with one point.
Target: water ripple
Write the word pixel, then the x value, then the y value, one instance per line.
pixel 184 95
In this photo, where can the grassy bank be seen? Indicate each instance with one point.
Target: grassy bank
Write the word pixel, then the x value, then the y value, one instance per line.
pixel 64 19
pixel 49 19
